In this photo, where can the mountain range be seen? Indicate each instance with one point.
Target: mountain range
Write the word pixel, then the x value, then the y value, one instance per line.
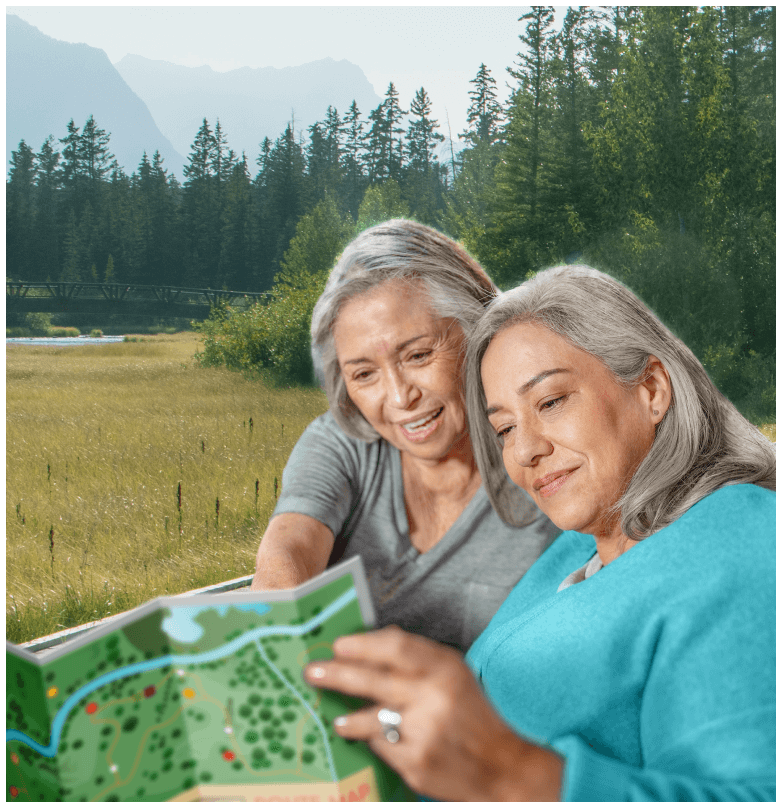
pixel 251 103
pixel 149 105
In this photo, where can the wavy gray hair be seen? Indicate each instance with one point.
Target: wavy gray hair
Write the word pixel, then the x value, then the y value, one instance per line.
pixel 702 442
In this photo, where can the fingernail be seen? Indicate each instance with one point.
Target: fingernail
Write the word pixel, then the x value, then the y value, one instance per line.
pixel 315 673
pixel 340 721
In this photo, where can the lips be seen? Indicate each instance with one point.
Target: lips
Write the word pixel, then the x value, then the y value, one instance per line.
pixel 421 427
pixel 551 483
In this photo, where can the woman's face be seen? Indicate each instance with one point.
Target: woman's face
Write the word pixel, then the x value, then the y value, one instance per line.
pixel 571 436
pixel 401 366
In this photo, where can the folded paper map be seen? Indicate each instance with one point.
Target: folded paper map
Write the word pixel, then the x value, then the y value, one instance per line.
pixel 195 697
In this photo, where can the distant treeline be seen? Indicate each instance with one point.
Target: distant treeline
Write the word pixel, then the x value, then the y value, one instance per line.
pixel 637 139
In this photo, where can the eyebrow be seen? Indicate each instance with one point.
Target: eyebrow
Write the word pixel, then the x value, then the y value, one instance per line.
pixel 400 347
pixel 528 385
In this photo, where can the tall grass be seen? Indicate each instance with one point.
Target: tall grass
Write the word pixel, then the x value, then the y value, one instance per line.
pixel 133 473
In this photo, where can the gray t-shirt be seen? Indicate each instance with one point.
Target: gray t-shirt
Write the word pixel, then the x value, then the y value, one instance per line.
pixel 448 593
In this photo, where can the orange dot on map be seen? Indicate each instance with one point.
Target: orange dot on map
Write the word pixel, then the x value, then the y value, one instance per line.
pixel 14 758
pixel 188 692
pixel 228 755
pixel 149 691
pixel 91 707
pixel 52 692
pixel 14 791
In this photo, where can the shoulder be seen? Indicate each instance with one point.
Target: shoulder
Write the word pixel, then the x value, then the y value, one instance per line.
pixel 324 448
pixel 725 520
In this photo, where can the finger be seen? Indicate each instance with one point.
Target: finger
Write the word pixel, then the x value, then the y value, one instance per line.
pixel 355 679
pixel 396 649
pixel 363 725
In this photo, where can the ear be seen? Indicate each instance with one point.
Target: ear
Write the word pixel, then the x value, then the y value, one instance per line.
pixel 655 388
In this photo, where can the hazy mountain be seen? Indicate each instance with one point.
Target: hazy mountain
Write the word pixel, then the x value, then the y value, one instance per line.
pixel 48 82
pixel 251 103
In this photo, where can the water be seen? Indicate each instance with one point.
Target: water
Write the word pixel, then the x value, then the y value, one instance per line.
pixel 62 341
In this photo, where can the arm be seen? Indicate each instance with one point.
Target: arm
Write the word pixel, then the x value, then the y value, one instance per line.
pixel 293 549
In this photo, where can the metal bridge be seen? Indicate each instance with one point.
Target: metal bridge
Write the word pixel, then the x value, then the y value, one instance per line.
pixel 120 298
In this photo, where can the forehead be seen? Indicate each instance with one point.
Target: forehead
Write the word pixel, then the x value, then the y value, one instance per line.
pixel 522 351
pixel 397 301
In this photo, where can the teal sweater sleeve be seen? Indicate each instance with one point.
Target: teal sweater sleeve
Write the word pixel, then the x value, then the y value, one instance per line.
pixel 655 678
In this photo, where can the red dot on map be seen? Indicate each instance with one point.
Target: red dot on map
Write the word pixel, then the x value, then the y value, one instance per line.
pixel 228 755
pixel 14 758
pixel 14 791
pixel 149 691
pixel 91 707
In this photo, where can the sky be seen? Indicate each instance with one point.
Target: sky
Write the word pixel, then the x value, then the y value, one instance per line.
pixel 437 47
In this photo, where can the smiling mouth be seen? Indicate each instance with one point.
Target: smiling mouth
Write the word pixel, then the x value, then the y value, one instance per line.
pixel 551 483
pixel 422 424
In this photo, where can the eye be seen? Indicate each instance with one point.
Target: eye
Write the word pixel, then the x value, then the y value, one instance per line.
pixel 502 434
pixel 361 375
pixel 552 403
pixel 419 356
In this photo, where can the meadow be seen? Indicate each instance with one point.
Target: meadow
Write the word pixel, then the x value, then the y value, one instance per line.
pixel 132 473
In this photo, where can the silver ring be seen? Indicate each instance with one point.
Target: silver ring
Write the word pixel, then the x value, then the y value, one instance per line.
pixel 389 723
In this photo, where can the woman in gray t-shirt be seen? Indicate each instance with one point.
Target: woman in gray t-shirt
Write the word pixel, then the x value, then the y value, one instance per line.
pixel 389 472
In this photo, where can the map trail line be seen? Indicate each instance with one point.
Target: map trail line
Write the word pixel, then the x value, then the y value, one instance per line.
pixel 160 662
pixel 307 707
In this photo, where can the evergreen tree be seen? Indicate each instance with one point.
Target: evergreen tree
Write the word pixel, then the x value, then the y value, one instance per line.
pixel 20 214
pixel 96 159
pixel 422 175
pixel 46 248
pixel 385 147
pixel 353 159
pixel 236 269
pixel 484 116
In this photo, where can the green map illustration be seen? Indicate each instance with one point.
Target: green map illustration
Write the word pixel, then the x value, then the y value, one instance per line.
pixel 193 698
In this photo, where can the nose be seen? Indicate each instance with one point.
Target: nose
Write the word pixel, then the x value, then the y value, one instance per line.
pixel 401 391
pixel 529 446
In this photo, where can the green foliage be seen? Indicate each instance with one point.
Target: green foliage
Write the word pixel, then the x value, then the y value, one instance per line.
pixel 38 323
pixel 381 202
pixel 273 338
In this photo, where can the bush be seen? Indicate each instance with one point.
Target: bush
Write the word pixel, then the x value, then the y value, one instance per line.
pixel 96 332
pixel 39 323
pixel 66 331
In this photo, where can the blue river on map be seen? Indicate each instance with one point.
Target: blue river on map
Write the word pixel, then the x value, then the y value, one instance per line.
pixel 171 659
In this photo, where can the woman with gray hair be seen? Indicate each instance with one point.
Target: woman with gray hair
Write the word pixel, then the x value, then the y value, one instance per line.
pixel 636 659
pixel 388 473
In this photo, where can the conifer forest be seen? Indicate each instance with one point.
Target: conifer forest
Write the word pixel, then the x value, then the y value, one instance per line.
pixel 639 140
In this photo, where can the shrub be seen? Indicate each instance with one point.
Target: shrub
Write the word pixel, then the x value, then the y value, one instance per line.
pixel 38 323
pixel 66 331
pixel 96 332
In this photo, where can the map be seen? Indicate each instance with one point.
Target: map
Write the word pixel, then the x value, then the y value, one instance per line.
pixel 195 698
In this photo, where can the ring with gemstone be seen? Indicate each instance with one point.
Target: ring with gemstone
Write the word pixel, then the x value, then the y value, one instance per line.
pixel 389 724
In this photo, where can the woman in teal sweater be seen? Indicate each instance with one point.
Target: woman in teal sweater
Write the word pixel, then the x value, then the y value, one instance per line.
pixel 636 659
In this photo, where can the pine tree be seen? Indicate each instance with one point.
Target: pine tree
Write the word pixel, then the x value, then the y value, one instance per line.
pixel 384 141
pixel 422 175
pixel 484 116
pixel 20 214
pixel 93 146
pixel 353 159
pixel 46 249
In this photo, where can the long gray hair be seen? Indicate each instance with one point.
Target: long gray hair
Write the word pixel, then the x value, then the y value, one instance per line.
pixel 702 442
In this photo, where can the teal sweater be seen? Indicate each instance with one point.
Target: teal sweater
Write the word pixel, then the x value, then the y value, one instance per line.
pixel 655 678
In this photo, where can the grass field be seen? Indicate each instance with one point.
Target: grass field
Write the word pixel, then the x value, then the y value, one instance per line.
pixel 116 458
pixel 132 473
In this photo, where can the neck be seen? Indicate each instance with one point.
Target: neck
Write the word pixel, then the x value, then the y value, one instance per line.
pixel 611 544
pixel 456 470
